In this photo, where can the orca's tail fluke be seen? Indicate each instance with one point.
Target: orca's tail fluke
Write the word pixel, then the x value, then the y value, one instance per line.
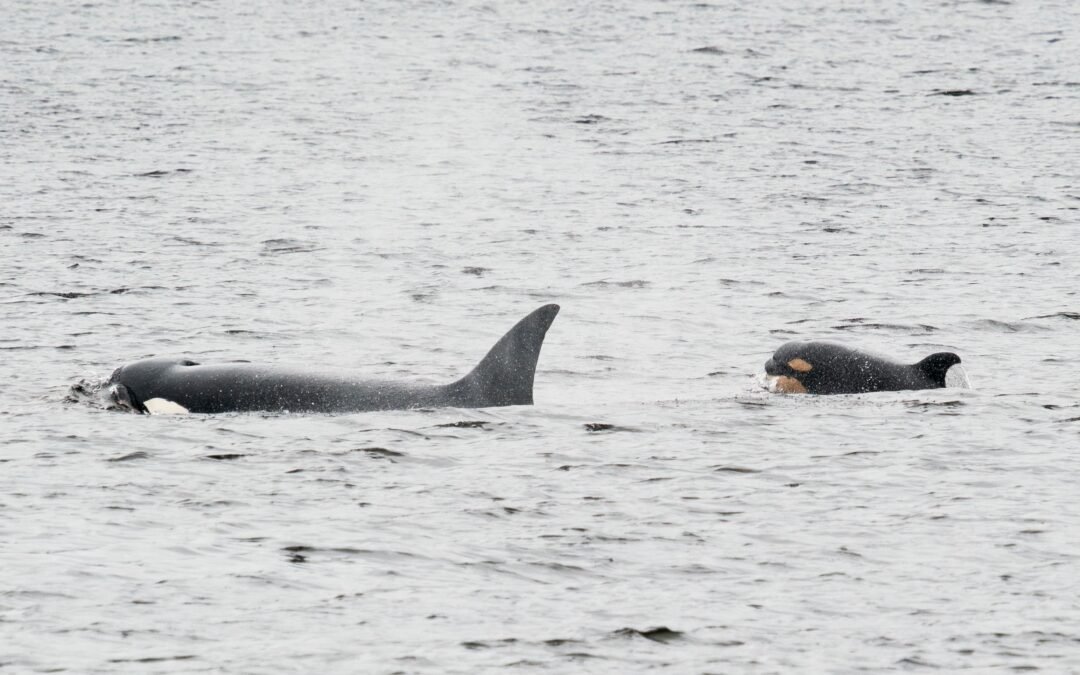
pixel 505 376
pixel 937 365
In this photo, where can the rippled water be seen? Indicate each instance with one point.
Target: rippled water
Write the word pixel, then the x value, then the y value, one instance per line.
pixel 387 188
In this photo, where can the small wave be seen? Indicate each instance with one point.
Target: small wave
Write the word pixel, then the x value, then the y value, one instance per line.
pixel 74 295
pixel 161 173
pixel 1006 326
pixel 284 246
pixel 1073 316
pixel 633 283
pixel 95 393
pixel 860 324
pixel 659 634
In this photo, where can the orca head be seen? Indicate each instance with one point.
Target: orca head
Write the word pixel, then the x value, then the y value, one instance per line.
pixel 791 368
pixel 119 396
pixel 131 385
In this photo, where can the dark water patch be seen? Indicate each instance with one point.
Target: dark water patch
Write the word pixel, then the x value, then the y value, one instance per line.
pixel 1072 316
pixel 734 469
pixel 633 283
pixel 476 644
pixel 156 659
pixel 126 289
pixel 953 92
pixel 193 242
pixel 272 247
pixel 559 642
pixel 138 454
pixel 853 453
pixel 595 427
pixel 591 119
pixel 934 404
pixel 149 40
pixel 464 424
pixel 160 173
pixel 661 634
pixel 476 271
pixel 73 295
pixel 31 235
pixel 379 453
pixel 66 295
pixel 348 551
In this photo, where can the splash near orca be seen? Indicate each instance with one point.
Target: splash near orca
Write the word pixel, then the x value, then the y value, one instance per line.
pixel 167 385
pixel 830 368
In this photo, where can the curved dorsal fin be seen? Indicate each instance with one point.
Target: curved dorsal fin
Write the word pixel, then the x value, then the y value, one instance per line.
pixel 505 375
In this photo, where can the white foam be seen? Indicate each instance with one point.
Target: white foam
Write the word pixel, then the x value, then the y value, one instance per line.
pixel 957 377
pixel 160 406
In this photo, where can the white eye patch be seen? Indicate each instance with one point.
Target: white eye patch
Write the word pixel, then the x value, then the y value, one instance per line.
pixel 160 406
pixel 800 366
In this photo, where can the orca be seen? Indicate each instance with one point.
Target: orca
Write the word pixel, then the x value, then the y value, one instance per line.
pixel 169 385
pixel 830 368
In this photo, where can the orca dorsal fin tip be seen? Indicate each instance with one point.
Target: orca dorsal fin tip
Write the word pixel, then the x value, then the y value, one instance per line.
pixel 936 365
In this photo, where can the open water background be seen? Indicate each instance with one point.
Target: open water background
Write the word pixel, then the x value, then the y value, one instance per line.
pixel 388 187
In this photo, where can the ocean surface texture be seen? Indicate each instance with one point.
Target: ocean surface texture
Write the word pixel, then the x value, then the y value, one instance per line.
pixel 386 187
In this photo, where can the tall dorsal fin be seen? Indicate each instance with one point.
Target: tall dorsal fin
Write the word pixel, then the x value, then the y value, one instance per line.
pixel 505 375
pixel 936 365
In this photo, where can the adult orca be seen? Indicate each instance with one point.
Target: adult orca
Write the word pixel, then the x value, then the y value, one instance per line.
pixel 168 385
pixel 830 368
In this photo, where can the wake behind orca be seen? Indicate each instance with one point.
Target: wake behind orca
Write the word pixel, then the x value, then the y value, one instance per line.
pixel 504 377
pixel 830 368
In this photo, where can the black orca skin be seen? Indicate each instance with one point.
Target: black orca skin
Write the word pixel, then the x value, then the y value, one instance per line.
pixel 503 377
pixel 830 368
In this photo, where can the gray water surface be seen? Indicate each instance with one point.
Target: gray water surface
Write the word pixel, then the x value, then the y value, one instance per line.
pixel 386 188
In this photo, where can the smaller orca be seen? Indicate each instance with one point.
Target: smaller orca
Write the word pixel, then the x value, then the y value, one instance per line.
pixel 170 385
pixel 830 368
